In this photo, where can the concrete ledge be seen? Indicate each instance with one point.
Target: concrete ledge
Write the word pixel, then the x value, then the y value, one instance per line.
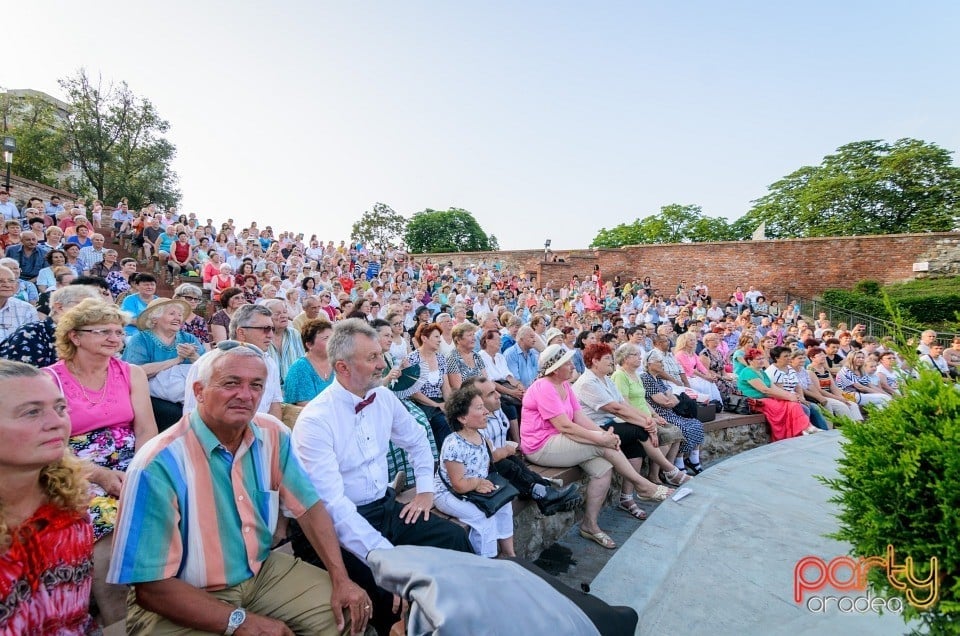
pixel 730 434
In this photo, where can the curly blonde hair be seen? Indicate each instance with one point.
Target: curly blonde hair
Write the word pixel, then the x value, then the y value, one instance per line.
pixel 88 312
pixel 64 482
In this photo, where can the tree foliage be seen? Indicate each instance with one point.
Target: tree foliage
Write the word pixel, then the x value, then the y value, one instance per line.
pixel 453 230
pixel 674 224
pixel 40 137
pixel 116 138
pixel 866 187
pixel 381 225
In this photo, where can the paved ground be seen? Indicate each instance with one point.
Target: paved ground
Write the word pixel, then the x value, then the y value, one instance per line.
pixel 721 560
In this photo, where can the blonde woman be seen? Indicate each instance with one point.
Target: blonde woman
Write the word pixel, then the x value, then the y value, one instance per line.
pixel 43 510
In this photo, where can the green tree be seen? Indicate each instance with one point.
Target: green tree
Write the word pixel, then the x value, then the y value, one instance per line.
pixel 40 139
pixel 453 230
pixel 380 225
pixel 674 224
pixel 116 138
pixel 866 187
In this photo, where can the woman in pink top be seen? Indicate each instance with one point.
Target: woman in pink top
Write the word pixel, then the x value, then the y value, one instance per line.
pixel 111 417
pixel 554 431
pixel 701 379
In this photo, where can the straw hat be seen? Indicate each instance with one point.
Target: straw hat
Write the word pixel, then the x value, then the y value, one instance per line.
pixel 161 302
pixel 554 357
pixel 552 333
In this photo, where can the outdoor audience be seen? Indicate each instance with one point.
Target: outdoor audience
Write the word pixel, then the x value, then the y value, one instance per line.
pixel 409 372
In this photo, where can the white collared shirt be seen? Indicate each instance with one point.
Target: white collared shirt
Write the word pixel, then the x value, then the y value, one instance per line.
pixel 345 455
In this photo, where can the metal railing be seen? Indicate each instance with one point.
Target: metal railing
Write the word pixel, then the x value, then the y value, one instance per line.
pixel 877 327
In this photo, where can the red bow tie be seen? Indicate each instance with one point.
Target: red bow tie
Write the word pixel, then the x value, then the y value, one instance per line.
pixel 362 404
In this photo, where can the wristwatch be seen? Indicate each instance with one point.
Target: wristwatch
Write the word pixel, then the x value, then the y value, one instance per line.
pixel 237 617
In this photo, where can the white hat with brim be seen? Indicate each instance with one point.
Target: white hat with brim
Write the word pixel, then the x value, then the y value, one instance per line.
pixel 554 357
pixel 552 333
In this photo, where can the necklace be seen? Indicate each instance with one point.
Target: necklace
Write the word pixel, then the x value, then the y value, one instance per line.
pixel 83 389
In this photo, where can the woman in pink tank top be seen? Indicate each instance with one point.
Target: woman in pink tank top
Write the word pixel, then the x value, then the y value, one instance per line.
pixel 110 416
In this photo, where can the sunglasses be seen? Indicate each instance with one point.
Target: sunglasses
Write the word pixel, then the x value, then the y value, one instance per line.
pixel 227 345
pixel 267 329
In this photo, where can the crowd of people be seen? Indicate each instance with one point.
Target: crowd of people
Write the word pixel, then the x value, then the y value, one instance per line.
pixel 442 377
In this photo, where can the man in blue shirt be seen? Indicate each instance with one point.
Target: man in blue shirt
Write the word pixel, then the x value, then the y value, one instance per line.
pixel 7 208
pixel 522 358
pixel 53 208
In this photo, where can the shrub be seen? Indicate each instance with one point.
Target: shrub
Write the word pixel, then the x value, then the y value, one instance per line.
pixel 934 308
pixel 899 485
pixel 867 287
pixel 852 301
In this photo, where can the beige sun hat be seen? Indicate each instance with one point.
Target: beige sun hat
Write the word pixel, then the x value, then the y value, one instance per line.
pixel 162 302
pixel 552 358
pixel 552 333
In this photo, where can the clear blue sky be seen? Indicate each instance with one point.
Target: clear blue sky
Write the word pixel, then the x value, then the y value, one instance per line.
pixel 544 119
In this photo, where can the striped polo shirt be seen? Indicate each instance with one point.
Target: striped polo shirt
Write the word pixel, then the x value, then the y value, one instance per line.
pixel 191 510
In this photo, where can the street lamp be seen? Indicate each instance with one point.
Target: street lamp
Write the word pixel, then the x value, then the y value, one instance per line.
pixel 9 147
pixel 546 250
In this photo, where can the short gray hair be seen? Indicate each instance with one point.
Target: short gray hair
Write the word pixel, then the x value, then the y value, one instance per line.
pixel 342 344
pixel 207 362
pixel 524 330
pixel 188 288
pixel 241 318
pixel 67 297
pixel 623 352
pixel 7 262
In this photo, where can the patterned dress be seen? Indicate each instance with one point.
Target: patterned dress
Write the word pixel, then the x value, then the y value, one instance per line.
pixel 46 575
pixel 717 364
pixel 33 343
pixel 692 428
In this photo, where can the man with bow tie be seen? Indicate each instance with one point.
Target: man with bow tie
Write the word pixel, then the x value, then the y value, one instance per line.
pixel 342 438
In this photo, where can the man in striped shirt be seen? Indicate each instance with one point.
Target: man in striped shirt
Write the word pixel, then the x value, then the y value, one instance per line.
pixel 199 511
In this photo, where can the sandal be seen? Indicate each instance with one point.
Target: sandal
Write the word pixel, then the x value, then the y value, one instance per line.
pixel 660 494
pixel 630 507
pixel 601 538
pixel 676 477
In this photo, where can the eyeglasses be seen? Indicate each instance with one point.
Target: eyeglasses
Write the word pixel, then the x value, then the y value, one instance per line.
pixel 103 333
pixel 267 329
pixel 227 345
pixel 195 299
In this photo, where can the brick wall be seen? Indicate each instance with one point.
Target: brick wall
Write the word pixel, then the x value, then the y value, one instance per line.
pixel 804 267
pixel 22 189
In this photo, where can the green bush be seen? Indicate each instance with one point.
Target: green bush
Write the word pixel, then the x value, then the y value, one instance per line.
pixel 868 287
pixel 899 485
pixel 852 301
pixel 934 308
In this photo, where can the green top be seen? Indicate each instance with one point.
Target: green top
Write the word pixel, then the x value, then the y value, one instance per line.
pixel 737 360
pixel 631 390
pixel 743 382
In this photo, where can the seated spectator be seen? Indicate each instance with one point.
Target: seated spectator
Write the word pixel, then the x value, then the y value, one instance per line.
pixel 341 439
pixel 110 419
pixel 662 364
pixel 251 326
pixel 853 378
pixel 890 373
pixel 630 385
pixel 465 461
pixel 436 386
pixel 286 346
pixel 119 282
pixel 781 408
pixel 522 357
pixel 463 362
pixel 35 342
pixel 831 347
pixel 555 432
pixel 44 528
pixel 144 287
pixel 72 252
pixel 700 378
pixel 822 388
pixel 230 300
pixel 165 352
pixel 226 446
pixel 313 372
pixel 45 280
pixel 222 281
pixel 783 374
pixel 26 291
pixel 251 288
pixel 952 355
pixel 106 266
pixel 934 359
pixel 603 403
pixel 510 389
pixel 195 325
pixel 14 312
pixel 397 460
pixel 29 255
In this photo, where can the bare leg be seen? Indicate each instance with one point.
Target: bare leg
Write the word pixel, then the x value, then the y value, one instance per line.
pixel 625 470
pixel 626 490
pixel 657 458
pixel 597 489
pixel 505 548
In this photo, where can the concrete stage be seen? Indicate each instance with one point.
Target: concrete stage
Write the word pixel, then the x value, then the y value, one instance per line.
pixel 721 560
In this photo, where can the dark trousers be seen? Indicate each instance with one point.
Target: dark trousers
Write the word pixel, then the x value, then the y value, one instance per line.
pixel 631 438
pixel 384 516
pixel 166 413
pixel 438 423
pixel 522 478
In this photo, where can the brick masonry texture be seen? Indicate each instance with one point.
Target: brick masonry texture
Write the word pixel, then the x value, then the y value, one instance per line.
pixel 22 189
pixel 802 267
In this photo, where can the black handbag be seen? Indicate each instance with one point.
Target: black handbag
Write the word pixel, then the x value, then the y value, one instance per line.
pixel 686 407
pixel 737 404
pixel 503 491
